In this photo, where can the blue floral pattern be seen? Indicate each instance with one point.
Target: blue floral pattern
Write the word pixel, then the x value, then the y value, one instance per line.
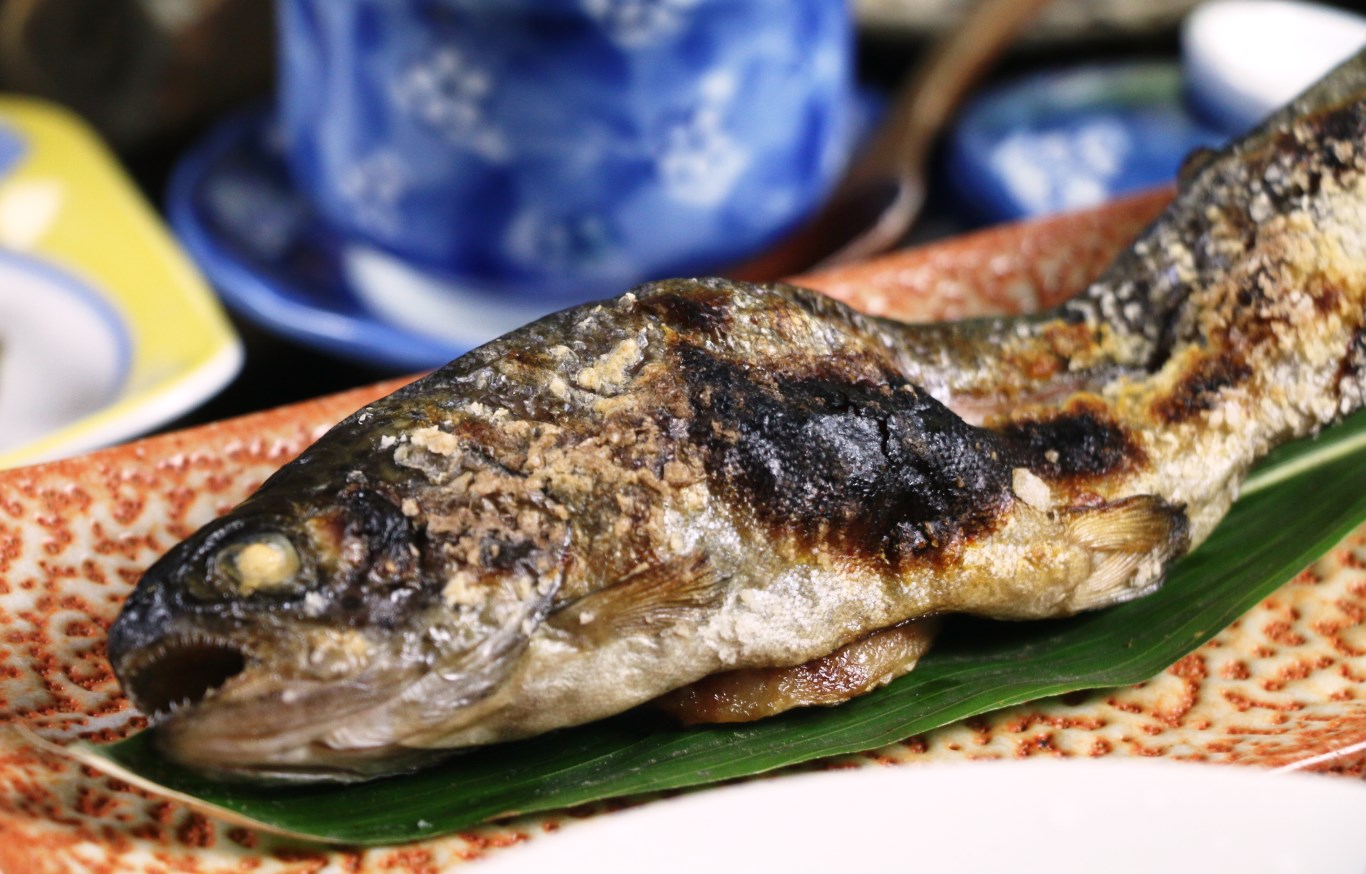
pixel 567 146
pixel 635 24
pixel 699 161
pixel 264 218
pixel 450 94
pixel 1060 170
pixel 373 188
pixel 1068 139
pixel 567 242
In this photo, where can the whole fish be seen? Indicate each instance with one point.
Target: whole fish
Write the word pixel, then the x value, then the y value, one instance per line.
pixel 746 498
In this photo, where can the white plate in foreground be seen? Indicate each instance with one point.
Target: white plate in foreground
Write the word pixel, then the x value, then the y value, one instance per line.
pixel 1018 817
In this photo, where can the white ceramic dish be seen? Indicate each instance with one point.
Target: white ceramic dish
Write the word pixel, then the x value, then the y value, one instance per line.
pixel 1044 816
pixel 1244 58
pixel 57 332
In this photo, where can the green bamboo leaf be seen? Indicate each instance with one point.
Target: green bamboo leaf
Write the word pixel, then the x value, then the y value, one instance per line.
pixel 1301 501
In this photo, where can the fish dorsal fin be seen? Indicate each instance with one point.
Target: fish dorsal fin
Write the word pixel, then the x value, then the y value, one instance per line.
pixel 649 597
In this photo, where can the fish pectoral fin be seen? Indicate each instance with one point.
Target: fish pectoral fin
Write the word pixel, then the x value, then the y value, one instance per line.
pixel 1130 542
pixel 754 693
pixel 647 598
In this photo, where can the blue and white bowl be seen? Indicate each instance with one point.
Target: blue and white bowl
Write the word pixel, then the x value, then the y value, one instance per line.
pixel 564 148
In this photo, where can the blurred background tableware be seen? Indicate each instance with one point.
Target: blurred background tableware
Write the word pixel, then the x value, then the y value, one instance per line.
pixel 460 168
pixel 1075 136
pixel 1243 58
pixel 106 329
pixel 142 72
pixel 1072 138
pixel 564 147
pixel 882 190
pixel 1068 26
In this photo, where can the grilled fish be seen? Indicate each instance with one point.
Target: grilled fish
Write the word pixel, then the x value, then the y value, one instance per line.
pixel 744 498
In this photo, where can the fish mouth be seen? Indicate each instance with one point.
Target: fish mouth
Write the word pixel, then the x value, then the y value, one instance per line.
pixel 179 672
pixel 233 710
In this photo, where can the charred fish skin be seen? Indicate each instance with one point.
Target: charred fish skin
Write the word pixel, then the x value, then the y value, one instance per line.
pixel 704 476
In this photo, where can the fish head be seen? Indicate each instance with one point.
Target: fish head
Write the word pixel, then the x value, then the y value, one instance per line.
pixel 281 639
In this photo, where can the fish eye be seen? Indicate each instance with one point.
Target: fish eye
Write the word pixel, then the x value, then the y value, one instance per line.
pixel 263 563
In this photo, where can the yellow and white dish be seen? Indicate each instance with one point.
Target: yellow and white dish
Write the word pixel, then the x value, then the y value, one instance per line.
pixel 106 329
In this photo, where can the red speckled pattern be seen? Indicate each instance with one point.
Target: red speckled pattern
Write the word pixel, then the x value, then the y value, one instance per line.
pixel 1283 687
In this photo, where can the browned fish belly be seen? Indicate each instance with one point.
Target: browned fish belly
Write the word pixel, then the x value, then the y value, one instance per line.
pixel 703 477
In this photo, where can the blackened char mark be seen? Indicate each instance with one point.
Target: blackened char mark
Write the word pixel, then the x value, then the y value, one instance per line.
pixel 1328 144
pixel 388 584
pixel 1353 364
pixel 1076 444
pixel 1198 388
pixel 883 473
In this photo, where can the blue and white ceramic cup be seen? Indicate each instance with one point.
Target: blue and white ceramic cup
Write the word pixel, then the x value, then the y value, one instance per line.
pixel 565 147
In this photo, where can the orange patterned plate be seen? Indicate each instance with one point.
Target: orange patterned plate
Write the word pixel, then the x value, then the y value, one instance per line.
pixel 1284 687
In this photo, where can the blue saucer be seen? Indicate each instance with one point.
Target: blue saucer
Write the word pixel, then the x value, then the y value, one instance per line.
pixel 274 262
pixel 1071 139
